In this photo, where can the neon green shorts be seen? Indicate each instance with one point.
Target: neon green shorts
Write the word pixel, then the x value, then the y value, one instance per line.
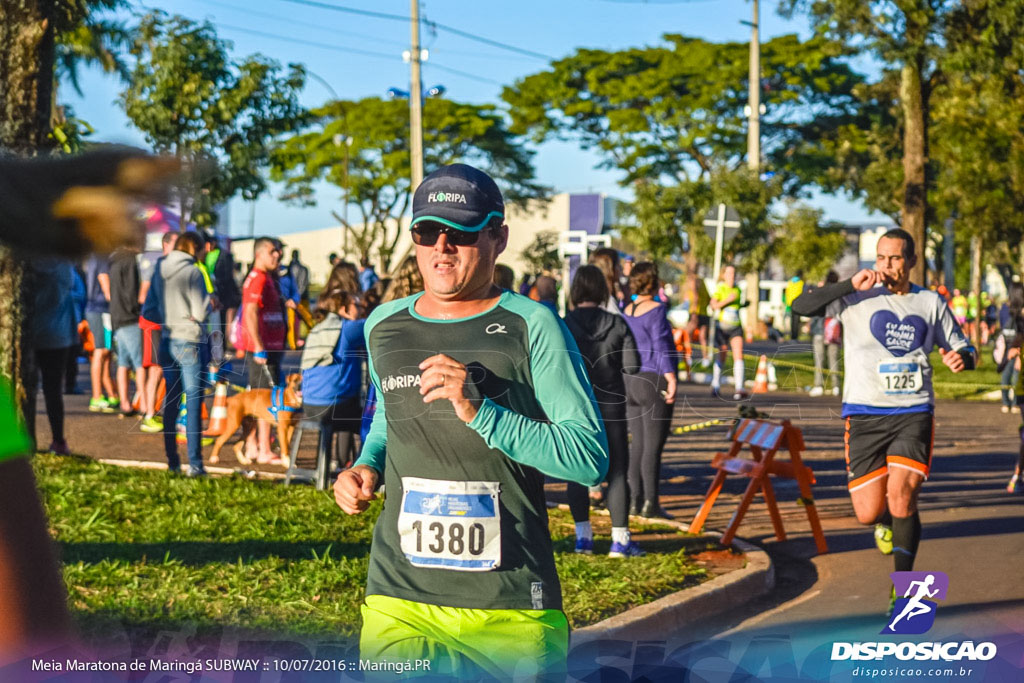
pixel 14 439
pixel 463 643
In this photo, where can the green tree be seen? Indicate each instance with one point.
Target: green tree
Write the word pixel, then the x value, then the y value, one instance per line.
pixel 862 155
pixel 100 39
pixel 218 116
pixel 659 216
pixel 804 242
pixel 909 34
pixel 541 254
pixel 978 126
pixel 752 198
pixel 362 148
pixel 673 116
pixel 672 112
pixel 30 31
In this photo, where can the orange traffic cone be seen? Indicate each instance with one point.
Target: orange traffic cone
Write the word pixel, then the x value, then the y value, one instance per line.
pixel 761 378
pixel 219 413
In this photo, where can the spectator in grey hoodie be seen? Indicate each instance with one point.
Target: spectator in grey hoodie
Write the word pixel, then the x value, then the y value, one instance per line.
pixel 186 303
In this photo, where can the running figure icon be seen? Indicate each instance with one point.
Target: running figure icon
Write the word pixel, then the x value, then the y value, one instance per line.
pixel 915 606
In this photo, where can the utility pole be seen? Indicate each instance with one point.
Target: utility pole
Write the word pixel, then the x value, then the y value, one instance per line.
pixel 754 157
pixel 415 101
pixel 754 97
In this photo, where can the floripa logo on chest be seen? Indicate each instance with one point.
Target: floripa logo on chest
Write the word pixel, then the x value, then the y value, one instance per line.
pixel 392 382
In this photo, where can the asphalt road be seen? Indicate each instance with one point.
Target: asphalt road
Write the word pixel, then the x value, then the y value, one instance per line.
pixel 972 532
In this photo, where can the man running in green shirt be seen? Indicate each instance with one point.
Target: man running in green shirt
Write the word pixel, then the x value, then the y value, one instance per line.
pixel 481 393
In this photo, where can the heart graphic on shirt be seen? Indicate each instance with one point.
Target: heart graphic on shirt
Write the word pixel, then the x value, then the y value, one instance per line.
pixel 899 335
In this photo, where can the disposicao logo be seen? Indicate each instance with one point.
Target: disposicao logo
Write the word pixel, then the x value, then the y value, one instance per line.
pixel 913 614
pixel 915 608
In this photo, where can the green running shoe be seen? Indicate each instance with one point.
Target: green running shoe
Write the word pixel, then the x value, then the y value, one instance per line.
pixel 151 425
pixel 892 601
pixel 99 405
pixel 883 539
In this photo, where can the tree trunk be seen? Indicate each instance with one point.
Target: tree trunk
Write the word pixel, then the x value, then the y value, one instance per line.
pixel 915 159
pixel 26 93
pixel 1020 258
pixel 976 277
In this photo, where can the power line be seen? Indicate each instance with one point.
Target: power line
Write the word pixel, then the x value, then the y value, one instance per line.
pixel 325 46
pixel 488 41
pixel 349 10
pixel 307 24
pixel 338 48
pixel 434 24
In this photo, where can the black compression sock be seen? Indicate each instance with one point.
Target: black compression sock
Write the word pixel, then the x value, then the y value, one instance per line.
pixel 906 536
pixel 886 518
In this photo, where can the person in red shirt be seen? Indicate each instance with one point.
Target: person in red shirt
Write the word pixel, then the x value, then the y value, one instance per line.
pixel 263 327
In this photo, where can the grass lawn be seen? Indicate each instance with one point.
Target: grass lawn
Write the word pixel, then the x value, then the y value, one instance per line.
pixel 150 551
pixel 795 372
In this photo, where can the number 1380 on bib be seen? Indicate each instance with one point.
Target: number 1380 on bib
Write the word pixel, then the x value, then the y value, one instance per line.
pixel 450 524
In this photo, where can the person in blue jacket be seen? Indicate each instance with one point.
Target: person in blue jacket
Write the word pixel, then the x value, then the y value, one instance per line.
pixel 332 367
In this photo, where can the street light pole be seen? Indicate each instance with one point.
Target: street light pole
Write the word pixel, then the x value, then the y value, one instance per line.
pixel 415 101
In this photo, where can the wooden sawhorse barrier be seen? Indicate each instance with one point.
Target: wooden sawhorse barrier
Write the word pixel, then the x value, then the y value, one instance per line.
pixel 764 439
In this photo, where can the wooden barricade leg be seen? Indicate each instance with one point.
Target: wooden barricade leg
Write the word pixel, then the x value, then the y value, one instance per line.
pixel 773 509
pixel 709 500
pixel 807 499
pixel 737 517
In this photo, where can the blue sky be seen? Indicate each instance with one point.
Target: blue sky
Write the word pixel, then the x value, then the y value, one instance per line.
pixel 290 32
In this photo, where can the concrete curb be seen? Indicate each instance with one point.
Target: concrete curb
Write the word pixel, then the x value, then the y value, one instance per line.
pixel 676 612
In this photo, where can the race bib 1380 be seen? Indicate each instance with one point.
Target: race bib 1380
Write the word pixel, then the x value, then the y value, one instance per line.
pixel 450 524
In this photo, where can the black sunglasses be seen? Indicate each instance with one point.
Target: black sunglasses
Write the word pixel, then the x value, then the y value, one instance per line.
pixel 427 234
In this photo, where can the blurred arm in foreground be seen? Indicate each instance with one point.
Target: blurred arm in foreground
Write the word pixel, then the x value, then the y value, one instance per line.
pixel 68 206
pixel 63 206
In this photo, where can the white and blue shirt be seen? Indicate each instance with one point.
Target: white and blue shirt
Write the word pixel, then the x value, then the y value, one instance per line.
pixel 886 341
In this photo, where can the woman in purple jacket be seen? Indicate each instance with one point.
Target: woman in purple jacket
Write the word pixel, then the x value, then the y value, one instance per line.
pixel 651 392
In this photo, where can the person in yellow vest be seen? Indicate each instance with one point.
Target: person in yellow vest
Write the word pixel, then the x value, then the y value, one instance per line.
pixel 959 305
pixel 794 288
pixel 725 306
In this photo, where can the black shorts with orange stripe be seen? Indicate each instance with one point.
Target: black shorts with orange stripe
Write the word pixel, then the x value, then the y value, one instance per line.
pixel 874 443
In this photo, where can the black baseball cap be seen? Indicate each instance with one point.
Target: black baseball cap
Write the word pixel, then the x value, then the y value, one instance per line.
pixel 459 196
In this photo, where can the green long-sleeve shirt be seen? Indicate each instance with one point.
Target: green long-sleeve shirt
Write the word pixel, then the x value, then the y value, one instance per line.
pixel 538 417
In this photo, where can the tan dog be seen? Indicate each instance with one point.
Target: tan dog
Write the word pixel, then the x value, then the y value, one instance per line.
pixel 258 403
